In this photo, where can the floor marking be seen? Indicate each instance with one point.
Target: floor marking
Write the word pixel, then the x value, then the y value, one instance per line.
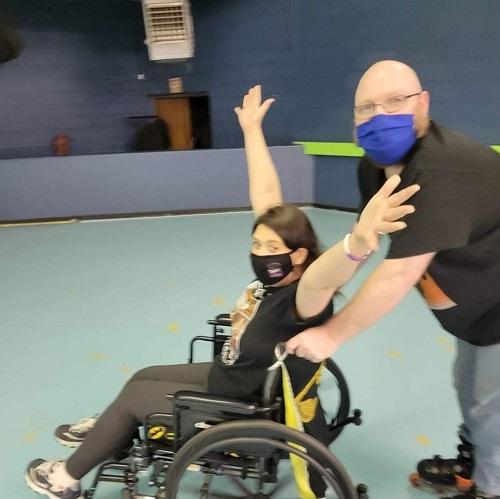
pixel 46 222
pixel 394 354
pixel 97 356
pixel 423 440
pixel 30 436
pixel 445 343
pixel 125 369
pixel 218 300
pixel 173 327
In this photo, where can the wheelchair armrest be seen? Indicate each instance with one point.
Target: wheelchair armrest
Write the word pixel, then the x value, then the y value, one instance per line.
pixel 200 401
pixel 221 320
pixel 218 339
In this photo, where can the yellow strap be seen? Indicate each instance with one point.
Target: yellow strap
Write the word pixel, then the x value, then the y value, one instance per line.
pixel 315 379
pixel 309 406
pixel 294 420
pixel 308 409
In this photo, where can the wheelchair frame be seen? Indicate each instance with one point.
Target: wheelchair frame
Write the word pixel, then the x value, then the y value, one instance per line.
pixel 207 430
pixel 342 416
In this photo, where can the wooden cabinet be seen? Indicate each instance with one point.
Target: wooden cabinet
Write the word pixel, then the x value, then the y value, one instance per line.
pixel 187 117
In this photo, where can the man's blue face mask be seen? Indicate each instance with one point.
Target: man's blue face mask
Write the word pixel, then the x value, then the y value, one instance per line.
pixel 387 138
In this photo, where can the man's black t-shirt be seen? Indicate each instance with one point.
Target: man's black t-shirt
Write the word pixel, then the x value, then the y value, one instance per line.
pixel 458 217
pixel 262 318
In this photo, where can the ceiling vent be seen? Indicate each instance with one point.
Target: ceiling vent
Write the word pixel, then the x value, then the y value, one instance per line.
pixel 169 29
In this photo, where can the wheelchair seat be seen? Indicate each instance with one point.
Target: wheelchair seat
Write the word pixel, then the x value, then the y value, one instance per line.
pixel 194 412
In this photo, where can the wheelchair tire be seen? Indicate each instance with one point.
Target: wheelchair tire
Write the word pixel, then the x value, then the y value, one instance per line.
pixel 264 434
pixel 344 405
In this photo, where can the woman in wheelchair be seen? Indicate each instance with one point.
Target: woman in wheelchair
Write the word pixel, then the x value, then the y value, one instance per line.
pixel 293 291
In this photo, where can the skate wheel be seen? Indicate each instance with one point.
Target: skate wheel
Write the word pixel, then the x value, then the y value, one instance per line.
pixel 415 479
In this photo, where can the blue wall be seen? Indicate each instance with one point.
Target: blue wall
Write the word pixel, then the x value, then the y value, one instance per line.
pixel 77 75
pixel 79 69
pixel 78 72
pixel 312 52
pixel 335 182
pixel 111 184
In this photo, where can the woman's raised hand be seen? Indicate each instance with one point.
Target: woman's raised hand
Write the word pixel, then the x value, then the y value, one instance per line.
pixel 252 111
pixel 383 212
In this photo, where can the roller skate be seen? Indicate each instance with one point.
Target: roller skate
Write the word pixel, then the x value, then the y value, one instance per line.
pixel 446 475
pixel 474 493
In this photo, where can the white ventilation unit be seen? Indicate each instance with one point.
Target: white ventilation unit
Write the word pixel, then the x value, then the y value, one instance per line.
pixel 169 29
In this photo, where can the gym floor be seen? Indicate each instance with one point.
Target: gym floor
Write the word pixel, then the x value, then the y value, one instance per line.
pixel 85 305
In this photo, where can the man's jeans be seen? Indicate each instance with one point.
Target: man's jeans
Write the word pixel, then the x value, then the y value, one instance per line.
pixel 477 380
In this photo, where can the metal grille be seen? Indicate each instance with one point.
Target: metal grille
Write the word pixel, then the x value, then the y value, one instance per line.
pixel 167 23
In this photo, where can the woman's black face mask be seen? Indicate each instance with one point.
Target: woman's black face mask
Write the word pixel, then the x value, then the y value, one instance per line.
pixel 270 269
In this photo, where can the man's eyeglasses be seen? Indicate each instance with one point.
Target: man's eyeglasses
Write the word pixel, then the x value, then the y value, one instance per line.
pixel 390 105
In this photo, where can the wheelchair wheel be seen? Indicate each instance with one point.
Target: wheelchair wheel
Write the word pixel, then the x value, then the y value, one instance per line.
pixel 262 437
pixel 342 406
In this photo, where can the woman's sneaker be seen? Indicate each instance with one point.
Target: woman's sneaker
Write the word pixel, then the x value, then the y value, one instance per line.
pixel 41 476
pixel 72 435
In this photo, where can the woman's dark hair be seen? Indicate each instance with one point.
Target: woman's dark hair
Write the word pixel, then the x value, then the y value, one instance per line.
pixel 293 227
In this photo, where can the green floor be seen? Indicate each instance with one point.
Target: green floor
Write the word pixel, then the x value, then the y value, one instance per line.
pixel 85 305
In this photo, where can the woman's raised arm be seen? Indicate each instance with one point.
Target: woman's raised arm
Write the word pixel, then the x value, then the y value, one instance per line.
pixel 264 184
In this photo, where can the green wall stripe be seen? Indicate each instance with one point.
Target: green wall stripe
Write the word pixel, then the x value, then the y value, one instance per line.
pixel 331 149
pixel 340 148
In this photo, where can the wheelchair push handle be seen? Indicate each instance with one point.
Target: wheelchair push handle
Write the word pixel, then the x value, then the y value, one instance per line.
pixel 220 320
pixel 273 374
pixel 280 353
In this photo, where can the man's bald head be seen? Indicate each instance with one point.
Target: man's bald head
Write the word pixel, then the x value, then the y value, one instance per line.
pixel 386 79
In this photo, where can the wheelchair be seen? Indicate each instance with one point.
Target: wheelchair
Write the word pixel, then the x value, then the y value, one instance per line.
pixel 219 436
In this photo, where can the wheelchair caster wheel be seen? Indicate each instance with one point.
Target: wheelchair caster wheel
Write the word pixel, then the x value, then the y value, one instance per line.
pixel 161 494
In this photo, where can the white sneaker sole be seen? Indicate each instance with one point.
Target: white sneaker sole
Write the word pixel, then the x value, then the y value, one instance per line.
pixel 40 490
pixel 66 443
